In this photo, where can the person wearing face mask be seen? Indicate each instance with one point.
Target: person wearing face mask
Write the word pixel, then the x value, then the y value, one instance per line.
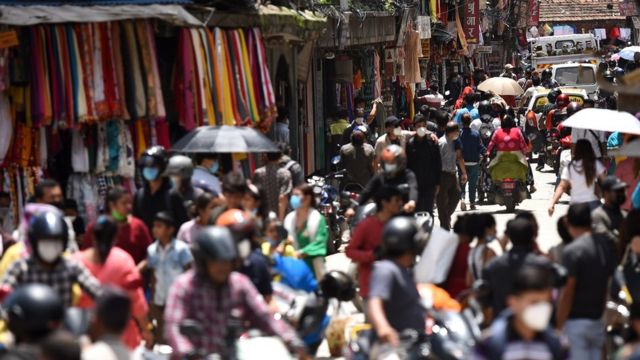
pixel 180 171
pixel 394 173
pixel 607 219
pixel 358 159
pixel 590 260
pixel 206 171
pixel 360 121
pixel 452 160
pixel 275 180
pixel 394 135
pixel 48 235
pixel 253 204
pixel 472 151
pixel 155 195
pixel 228 293
pixel 115 267
pixel 423 158
pixel 251 262
pixel 308 228
pixel 133 236
pixel 523 331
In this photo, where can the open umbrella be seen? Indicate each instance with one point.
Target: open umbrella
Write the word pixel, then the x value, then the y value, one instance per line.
pixel 631 149
pixel 501 86
pixel 224 139
pixel 628 52
pixel 604 120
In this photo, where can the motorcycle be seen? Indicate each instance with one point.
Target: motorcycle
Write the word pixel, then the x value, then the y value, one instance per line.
pixel 509 180
pixel 484 180
pixel 552 149
pixel 325 190
pixel 510 193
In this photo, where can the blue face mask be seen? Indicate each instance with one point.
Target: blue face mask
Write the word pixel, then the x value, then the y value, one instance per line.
pixel 214 167
pixel 150 173
pixel 295 202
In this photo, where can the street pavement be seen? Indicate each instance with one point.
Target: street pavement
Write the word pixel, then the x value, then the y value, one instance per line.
pixel 538 205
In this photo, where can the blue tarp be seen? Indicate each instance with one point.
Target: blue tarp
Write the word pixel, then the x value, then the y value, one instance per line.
pixel 90 2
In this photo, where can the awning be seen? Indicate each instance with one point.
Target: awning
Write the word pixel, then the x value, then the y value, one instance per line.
pixel 39 14
pixel 275 21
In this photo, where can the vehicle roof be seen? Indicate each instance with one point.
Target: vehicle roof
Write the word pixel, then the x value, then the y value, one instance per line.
pixel 565 89
pixel 574 65
pixel 563 37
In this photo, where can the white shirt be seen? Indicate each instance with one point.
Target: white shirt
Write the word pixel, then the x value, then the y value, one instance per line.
pixel 595 138
pixel 580 191
pixel 476 124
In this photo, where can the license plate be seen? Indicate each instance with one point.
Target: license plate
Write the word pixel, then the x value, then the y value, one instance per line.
pixel 509 185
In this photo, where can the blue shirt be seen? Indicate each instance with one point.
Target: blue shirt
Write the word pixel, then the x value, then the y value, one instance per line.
pixel 466 110
pixel 472 146
pixel 167 263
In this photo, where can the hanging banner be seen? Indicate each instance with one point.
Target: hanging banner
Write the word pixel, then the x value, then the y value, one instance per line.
pixel 472 21
pixel 534 7
pixel 424 27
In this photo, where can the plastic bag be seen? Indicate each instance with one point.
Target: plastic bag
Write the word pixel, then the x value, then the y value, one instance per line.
pixel 437 256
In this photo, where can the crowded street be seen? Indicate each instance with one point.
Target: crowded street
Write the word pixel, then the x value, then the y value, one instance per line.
pixel 319 179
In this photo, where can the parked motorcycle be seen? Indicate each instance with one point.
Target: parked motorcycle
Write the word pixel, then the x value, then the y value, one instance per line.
pixel 325 190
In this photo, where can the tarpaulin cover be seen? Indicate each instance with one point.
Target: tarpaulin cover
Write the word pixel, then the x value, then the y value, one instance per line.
pixel 39 14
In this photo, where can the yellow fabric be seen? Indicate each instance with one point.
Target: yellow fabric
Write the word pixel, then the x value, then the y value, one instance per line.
pixel 208 101
pixel 142 144
pixel 249 83
pixel 463 39
pixel 338 127
pixel 433 10
pixel 10 256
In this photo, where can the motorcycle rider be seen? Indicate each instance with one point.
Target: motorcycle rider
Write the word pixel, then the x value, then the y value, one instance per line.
pixel 484 112
pixel 394 302
pixel 551 104
pixel 34 312
pixel 558 114
pixel 394 173
pixel 46 264
pixel 180 171
pixel 220 299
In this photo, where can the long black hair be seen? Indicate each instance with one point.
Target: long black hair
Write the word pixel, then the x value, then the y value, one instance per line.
pixel 584 153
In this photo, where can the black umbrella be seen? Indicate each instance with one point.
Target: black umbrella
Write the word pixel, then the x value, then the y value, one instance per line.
pixel 224 139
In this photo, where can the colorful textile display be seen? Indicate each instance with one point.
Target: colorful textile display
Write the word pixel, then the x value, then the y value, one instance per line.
pixel 221 78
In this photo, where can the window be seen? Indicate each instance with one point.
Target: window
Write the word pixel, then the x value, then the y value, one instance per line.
pixel 579 75
pixel 560 44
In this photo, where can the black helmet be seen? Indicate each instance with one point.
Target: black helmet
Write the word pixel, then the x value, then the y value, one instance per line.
pixel 155 156
pixel 553 94
pixel 484 108
pixel 573 108
pixel 213 243
pixel 399 236
pixel 48 225
pixel 336 284
pixel 33 311
pixel 181 166
pixel 546 74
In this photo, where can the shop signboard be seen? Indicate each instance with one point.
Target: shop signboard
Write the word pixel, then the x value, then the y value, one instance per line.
pixel 534 8
pixel 471 23
pixel 426 48
pixel 8 39
pixel 484 49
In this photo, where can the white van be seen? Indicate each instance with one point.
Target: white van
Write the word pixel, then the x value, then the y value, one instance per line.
pixel 577 75
pixel 561 49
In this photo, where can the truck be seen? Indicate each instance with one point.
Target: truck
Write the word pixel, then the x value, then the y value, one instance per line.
pixel 561 49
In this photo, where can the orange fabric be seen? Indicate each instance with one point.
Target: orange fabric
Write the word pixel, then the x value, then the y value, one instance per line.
pixel 439 297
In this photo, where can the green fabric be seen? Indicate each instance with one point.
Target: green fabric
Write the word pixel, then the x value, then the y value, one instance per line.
pixel 313 248
pixel 509 167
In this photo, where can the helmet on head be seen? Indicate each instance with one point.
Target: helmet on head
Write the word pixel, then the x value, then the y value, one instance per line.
pixel 213 243
pixel 336 284
pixel 484 108
pixel 181 166
pixel 546 74
pixel 608 75
pixel 47 225
pixel 553 95
pixel 33 311
pixel 399 236
pixel 573 108
pixel 155 156
pixel 562 100
pixel 393 160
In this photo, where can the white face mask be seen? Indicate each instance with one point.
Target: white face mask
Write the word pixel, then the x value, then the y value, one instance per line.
pixel 389 168
pixel 244 249
pixel 537 316
pixel 397 131
pixel 50 250
pixel 70 219
pixel 421 131
pixel 359 121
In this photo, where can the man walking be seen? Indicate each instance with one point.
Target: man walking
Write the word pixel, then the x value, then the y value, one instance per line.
pixel 472 147
pixel 423 158
pixel 606 219
pixel 274 180
pixel 357 158
pixel 590 261
pixel 451 155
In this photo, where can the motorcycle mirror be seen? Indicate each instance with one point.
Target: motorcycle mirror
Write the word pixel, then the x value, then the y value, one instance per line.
pixel 335 160
pixel 190 328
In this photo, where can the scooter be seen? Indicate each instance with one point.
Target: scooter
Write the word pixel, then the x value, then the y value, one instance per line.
pixel 510 193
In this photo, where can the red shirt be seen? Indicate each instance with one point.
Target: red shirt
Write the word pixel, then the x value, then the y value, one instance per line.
pixel 457 280
pixel 133 237
pixel 366 238
pixel 511 140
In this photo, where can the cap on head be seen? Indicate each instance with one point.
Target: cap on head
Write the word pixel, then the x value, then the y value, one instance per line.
pixel 612 183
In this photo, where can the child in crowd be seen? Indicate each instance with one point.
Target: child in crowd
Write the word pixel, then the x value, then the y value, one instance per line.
pixel 167 257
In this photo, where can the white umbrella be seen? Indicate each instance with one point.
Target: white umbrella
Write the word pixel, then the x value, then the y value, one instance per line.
pixel 501 86
pixel 631 149
pixel 604 120
pixel 628 52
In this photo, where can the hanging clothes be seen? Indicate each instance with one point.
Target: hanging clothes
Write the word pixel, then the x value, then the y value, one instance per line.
pixel 413 51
